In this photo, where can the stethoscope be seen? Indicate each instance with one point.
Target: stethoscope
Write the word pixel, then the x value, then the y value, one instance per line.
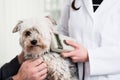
pixel 73 5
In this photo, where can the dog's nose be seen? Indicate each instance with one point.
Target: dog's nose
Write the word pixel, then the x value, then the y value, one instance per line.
pixel 34 42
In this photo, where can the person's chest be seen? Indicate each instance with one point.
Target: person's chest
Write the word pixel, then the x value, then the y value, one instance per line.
pixel 82 26
pixel 96 4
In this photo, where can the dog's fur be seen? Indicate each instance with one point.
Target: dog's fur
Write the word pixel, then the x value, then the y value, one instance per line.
pixel 35 39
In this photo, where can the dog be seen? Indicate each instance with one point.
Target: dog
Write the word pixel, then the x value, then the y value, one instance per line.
pixel 35 40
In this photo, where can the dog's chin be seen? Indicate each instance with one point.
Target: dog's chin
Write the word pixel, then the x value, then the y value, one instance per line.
pixel 32 52
pixel 35 49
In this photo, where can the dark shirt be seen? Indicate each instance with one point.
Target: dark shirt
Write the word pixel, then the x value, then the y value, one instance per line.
pixel 96 4
pixel 9 69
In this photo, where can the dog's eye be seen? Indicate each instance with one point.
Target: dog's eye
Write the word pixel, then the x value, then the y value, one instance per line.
pixel 27 33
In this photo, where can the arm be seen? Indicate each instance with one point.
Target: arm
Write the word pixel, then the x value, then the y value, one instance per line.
pixel 29 69
pixel 9 69
pixel 63 26
pixel 103 59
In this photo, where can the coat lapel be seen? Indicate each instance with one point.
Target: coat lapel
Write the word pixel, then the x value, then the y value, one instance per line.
pixel 105 6
pixel 89 7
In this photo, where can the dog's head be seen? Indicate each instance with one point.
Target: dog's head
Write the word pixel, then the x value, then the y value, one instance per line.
pixel 35 34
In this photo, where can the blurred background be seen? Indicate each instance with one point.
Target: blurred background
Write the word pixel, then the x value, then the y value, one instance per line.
pixel 11 11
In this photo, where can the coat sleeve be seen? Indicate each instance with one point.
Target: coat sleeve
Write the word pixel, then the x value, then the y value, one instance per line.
pixel 105 59
pixel 63 25
pixel 9 69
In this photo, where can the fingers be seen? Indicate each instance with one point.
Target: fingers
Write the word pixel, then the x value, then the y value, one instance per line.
pixel 71 55
pixel 71 43
pixel 36 62
pixel 43 77
pixel 67 54
pixel 75 59
pixel 41 67
pixel 43 72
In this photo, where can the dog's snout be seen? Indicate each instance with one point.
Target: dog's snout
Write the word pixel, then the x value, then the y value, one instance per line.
pixel 34 42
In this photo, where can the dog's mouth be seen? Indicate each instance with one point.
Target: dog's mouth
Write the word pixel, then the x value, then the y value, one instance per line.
pixel 38 46
pixel 34 46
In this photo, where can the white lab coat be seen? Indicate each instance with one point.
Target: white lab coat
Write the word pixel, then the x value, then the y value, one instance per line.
pixel 99 32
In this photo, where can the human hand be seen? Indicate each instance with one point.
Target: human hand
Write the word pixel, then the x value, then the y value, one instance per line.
pixel 79 54
pixel 32 70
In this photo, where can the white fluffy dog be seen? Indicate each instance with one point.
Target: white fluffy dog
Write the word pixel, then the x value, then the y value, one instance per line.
pixel 35 39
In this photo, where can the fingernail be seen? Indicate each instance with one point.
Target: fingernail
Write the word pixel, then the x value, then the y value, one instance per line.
pixel 66 42
pixel 62 55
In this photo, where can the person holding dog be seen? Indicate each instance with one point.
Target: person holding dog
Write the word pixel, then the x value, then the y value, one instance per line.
pixel 18 69
pixel 95 25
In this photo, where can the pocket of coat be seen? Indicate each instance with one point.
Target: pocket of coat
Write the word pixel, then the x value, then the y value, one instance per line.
pixel 114 77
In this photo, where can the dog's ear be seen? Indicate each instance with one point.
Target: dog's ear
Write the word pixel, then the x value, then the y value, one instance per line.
pixel 17 27
pixel 53 27
pixel 52 20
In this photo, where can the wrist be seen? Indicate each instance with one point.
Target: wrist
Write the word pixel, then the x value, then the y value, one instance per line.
pixel 21 57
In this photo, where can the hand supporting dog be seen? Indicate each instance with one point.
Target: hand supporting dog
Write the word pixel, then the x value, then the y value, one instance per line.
pixel 31 70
